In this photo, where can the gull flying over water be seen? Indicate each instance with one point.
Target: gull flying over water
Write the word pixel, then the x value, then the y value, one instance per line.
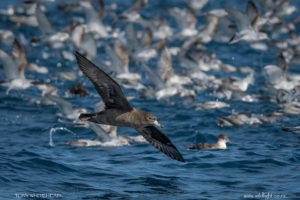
pixel 14 67
pixel 246 24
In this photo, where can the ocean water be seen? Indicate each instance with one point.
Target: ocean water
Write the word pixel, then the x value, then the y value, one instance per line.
pixel 262 161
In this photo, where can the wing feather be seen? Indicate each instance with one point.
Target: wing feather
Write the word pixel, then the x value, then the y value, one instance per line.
pixel 165 69
pixel 44 24
pixel 106 87
pixel 160 141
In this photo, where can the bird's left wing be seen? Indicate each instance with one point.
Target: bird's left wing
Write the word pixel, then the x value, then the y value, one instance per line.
pixel 160 141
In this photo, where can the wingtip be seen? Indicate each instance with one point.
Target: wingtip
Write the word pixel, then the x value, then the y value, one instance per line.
pixel 173 153
pixel 251 3
pixel 178 156
pixel 160 141
pixel 181 159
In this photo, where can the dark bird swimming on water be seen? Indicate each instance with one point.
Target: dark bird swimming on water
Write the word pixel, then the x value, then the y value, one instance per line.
pixel 119 112
pixel 221 144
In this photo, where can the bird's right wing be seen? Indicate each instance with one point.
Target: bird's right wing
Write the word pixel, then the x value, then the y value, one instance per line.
pixel 10 67
pixel 241 19
pixel 64 106
pixel 252 12
pixel 44 24
pixel 137 6
pixel 158 82
pixel 116 61
pixel 165 69
pixel 185 18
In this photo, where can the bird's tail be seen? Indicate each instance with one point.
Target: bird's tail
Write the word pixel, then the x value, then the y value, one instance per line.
pixel 87 116
pixel 192 146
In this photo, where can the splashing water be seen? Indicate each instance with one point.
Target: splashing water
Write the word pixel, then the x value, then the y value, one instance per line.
pixel 53 130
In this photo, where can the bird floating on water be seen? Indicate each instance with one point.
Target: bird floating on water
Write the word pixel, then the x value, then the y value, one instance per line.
pixel 221 144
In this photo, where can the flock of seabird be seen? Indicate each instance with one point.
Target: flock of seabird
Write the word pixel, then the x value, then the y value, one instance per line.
pixel 128 38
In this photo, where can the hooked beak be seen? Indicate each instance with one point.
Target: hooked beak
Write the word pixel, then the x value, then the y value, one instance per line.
pixel 158 124
pixel 230 142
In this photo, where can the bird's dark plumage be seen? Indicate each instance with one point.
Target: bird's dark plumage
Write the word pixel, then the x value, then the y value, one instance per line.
pixel 106 87
pixel 200 146
pixel 160 141
pixel 119 112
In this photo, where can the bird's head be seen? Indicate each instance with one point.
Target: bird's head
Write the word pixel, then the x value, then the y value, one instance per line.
pixel 151 119
pixel 224 138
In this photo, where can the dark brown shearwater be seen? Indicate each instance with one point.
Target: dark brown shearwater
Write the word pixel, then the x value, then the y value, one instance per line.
pixel 221 144
pixel 118 111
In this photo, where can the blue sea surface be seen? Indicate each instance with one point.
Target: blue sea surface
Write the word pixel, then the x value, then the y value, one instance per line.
pixel 263 160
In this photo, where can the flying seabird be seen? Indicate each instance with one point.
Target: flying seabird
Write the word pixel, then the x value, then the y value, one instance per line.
pixel 15 71
pixel 78 90
pixel 66 107
pixel 118 111
pixel 246 24
pixel 46 89
pixel 19 55
pixel 211 105
pixel 166 82
pixel 186 19
pixel 131 14
pixel 119 61
pixel 244 118
pixel 52 37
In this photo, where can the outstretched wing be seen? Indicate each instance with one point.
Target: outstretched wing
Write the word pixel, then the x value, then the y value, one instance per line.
pixel 44 24
pixel 160 141
pixel 158 82
pixel 10 67
pixel 252 12
pixel 241 19
pixel 137 6
pixel 64 106
pixel 106 87
pixel 165 69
